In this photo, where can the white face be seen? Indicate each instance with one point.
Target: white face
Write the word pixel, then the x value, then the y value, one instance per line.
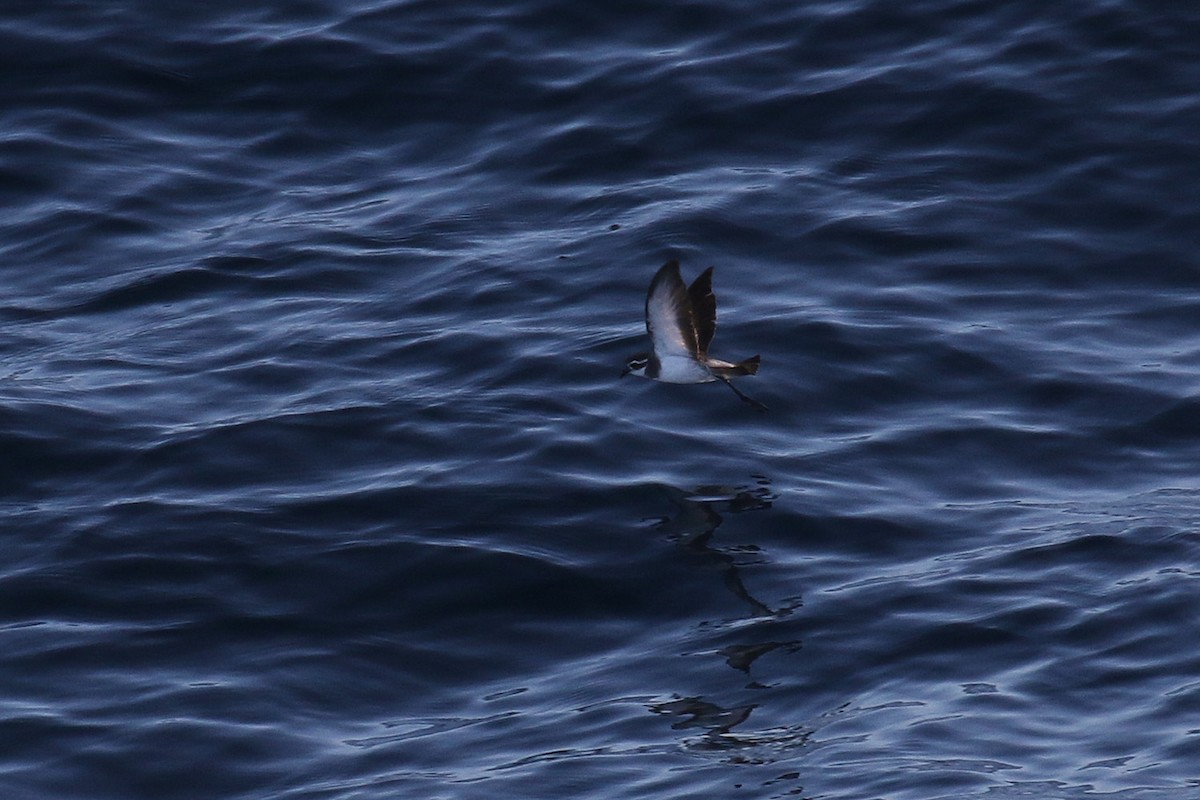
pixel 636 365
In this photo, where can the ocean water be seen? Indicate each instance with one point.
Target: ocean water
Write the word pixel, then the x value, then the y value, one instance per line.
pixel 317 479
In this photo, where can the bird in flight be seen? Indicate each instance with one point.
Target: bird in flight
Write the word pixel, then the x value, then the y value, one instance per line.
pixel 681 322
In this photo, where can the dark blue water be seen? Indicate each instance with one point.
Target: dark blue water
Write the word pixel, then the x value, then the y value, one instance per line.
pixel 317 480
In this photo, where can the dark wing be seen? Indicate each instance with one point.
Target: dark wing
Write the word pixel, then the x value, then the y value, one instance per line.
pixel 704 309
pixel 669 318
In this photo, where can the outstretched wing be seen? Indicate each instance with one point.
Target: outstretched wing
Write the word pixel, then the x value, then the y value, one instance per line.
pixel 704 310
pixel 669 318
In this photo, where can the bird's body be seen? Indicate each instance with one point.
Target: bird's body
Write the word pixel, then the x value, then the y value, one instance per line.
pixel 681 321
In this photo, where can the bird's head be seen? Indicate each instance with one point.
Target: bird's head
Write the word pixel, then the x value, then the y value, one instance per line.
pixel 636 365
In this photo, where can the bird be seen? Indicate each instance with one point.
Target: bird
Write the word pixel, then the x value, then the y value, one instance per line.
pixel 681 322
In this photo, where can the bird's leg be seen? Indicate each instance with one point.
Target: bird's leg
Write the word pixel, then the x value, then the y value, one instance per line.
pixel 757 406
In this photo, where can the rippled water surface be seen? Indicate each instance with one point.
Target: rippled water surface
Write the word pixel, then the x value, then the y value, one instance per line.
pixel 317 479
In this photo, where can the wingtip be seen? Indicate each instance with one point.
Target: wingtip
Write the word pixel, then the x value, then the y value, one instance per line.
pixel 665 270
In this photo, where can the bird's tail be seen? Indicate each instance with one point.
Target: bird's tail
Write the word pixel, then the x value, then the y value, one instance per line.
pixel 725 370
pixel 748 367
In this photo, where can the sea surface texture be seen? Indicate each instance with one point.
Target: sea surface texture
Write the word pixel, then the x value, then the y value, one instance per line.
pixel 318 480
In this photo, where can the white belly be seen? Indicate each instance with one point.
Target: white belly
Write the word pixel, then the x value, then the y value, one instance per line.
pixel 680 369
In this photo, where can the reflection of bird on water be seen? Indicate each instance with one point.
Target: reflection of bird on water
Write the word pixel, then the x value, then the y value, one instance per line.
pixel 718 723
pixel 714 719
pixel 697 520
pixel 742 656
pixel 697 517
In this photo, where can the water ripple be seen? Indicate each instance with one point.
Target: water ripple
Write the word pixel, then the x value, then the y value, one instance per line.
pixel 316 465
